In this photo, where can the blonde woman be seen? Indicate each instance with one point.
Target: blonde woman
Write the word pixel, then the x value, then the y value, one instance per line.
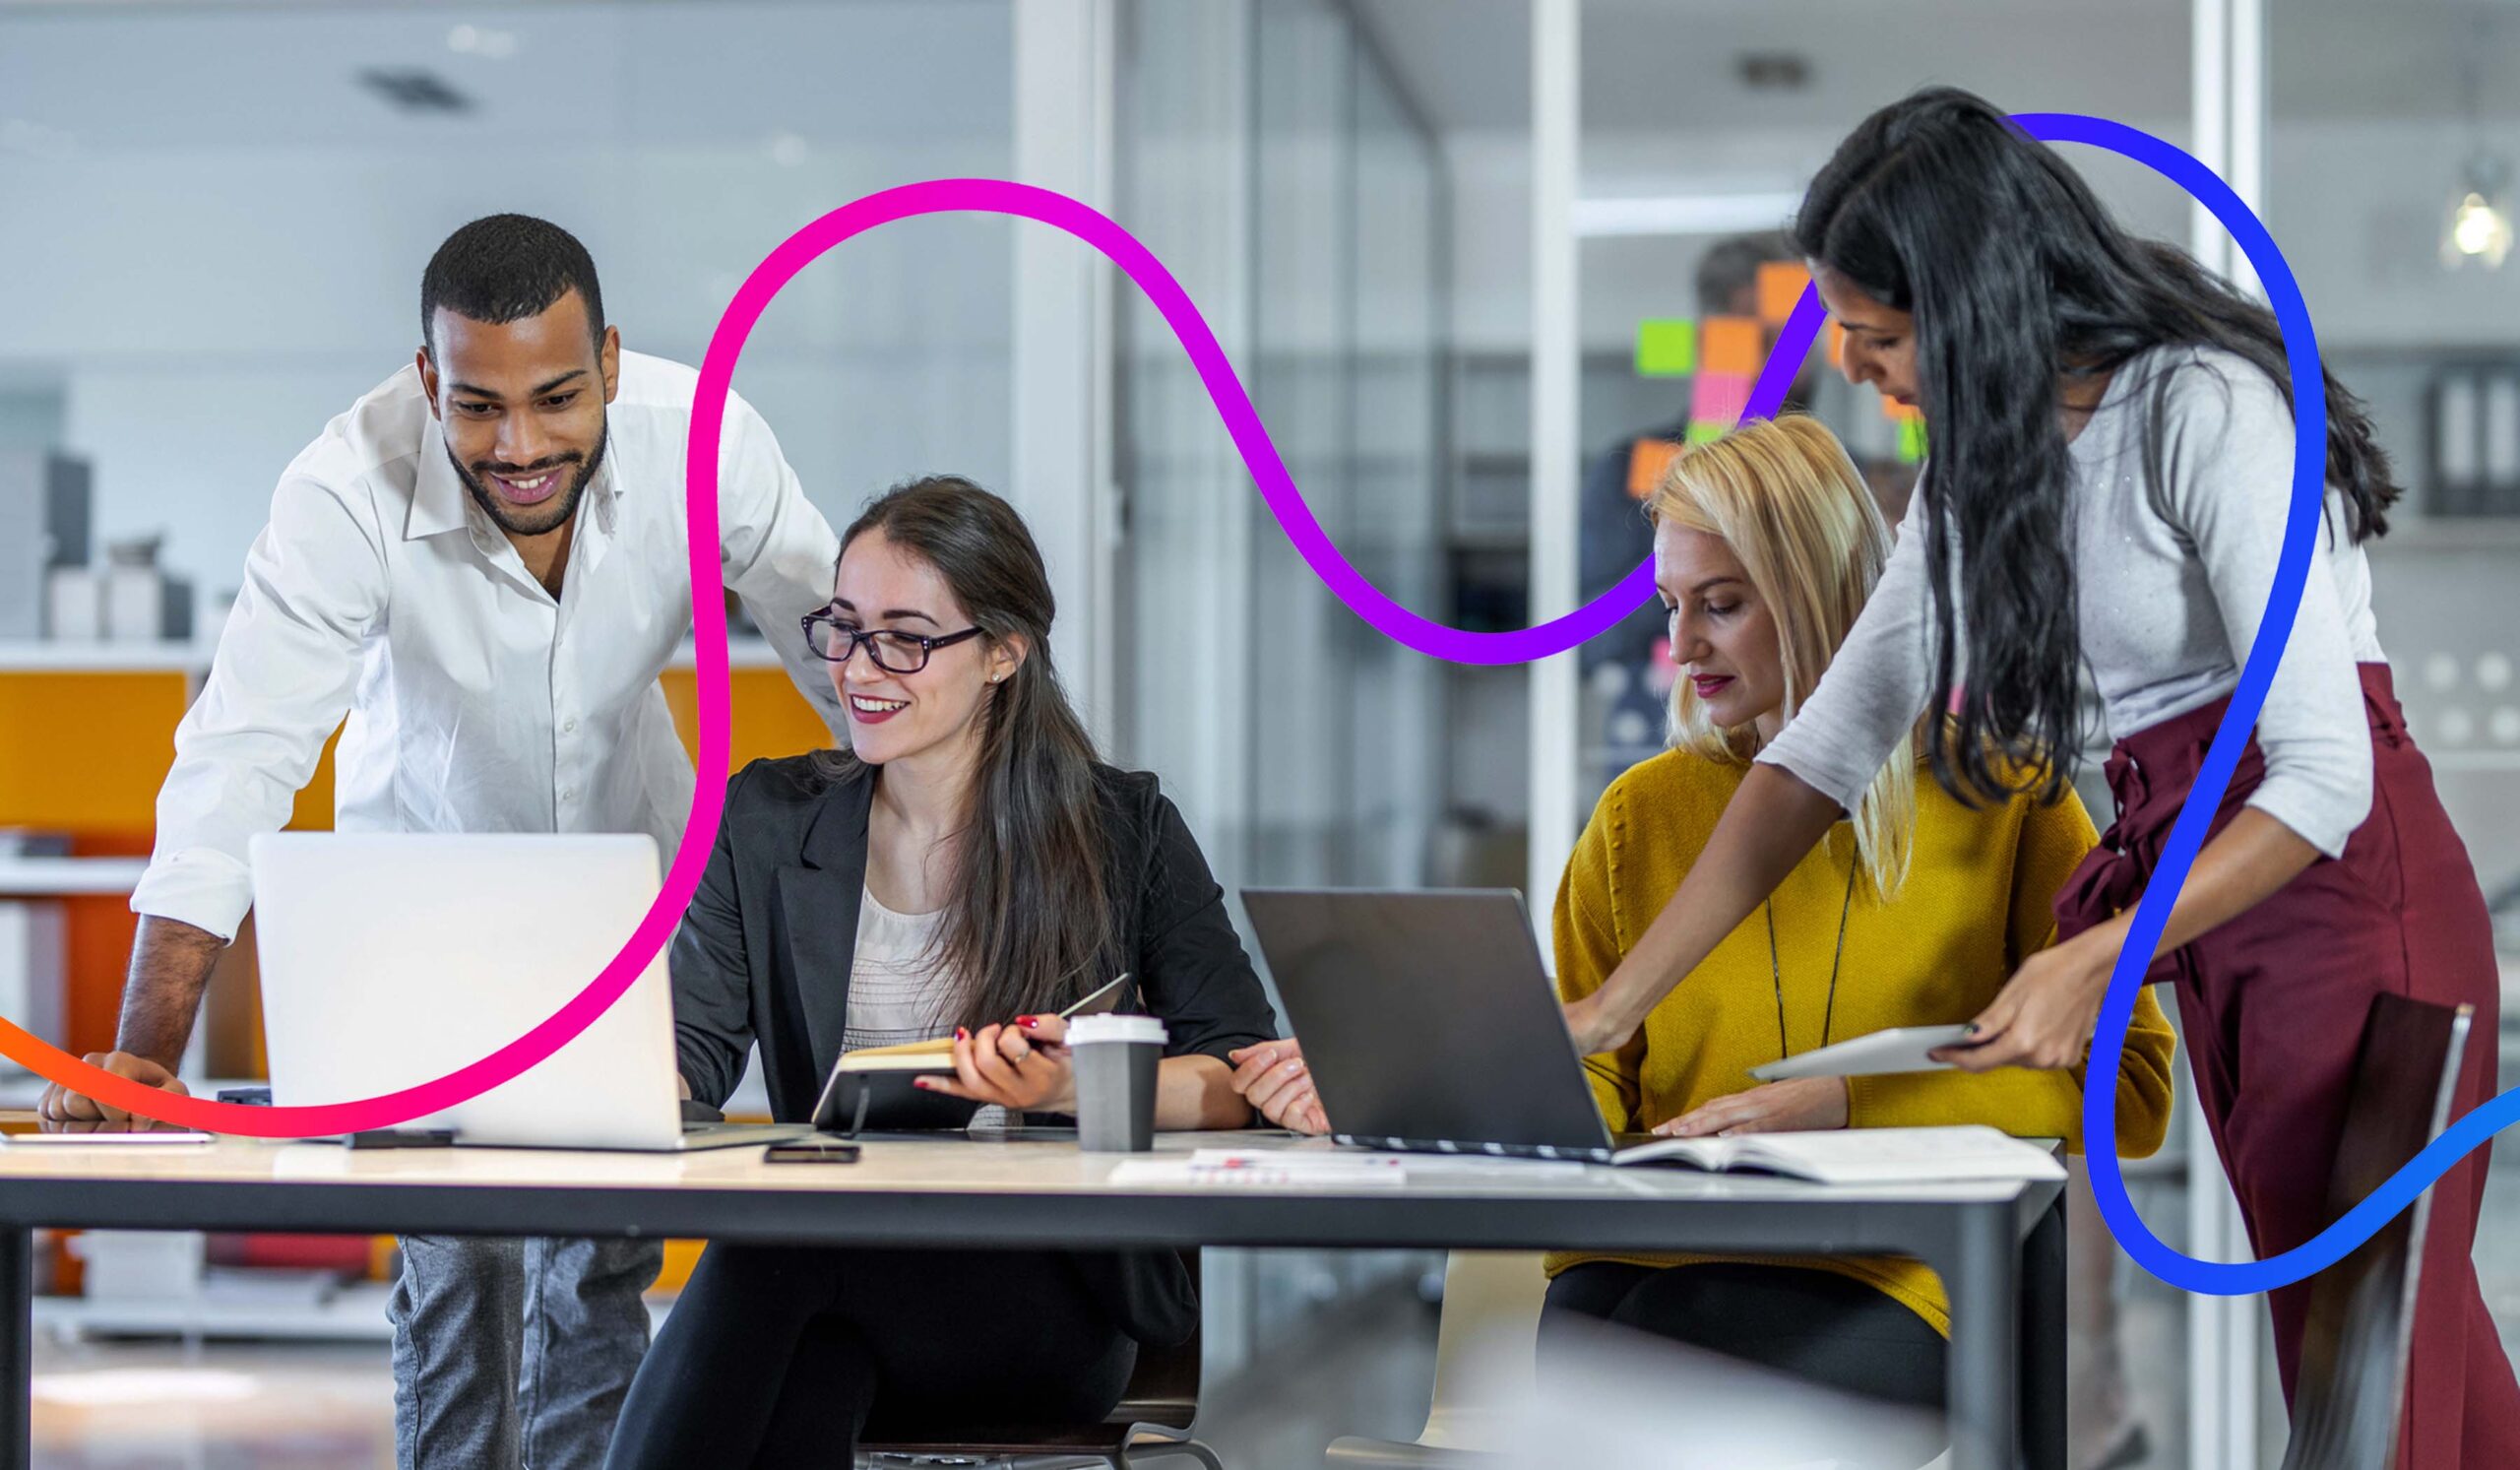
pixel 1915 911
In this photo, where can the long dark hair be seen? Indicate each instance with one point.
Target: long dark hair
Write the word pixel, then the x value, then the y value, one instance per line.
pixel 1939 205
pixel 1028 923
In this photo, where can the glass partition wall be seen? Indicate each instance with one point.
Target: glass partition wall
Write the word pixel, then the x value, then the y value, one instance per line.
pixel 1264 152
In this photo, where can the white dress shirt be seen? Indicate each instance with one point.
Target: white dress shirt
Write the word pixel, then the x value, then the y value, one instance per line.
pixel 476 701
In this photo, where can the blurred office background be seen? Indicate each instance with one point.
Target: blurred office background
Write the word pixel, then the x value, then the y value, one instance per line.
pixel 1446 245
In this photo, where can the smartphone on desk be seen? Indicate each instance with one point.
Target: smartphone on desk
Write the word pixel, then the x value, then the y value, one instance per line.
pixel 809 1151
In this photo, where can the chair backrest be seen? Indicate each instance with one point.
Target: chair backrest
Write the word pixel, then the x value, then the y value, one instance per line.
pixel 1486 1347
pixel 2352 1385
pixel 1163 1388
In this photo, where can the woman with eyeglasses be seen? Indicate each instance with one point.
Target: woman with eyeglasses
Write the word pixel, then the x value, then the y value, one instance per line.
pixel 966 869
pixel 2111 475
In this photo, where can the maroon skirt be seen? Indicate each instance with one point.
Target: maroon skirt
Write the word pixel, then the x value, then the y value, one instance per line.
pixel 2272 1006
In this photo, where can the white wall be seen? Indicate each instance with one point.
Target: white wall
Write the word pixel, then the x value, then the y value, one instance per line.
pixel 204 281
pixel 1626 280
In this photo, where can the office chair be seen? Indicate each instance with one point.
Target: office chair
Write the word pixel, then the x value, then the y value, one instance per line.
pixel 1151 1421
pixel 1491 1305
pixel 2352 1387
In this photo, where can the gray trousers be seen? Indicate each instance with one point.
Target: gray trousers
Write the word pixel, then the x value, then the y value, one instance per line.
pixel 515 1354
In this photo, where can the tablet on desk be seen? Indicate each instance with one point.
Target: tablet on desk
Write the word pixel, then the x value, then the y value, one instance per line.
pixel 1902 1049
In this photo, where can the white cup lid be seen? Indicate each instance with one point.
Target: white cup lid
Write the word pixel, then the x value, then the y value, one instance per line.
pixel 1109 1028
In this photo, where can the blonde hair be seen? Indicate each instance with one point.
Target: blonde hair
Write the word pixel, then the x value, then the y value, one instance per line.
pixel 1784 496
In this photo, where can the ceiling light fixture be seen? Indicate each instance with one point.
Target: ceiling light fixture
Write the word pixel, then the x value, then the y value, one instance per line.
pixel 2479 225
pixel 1684 214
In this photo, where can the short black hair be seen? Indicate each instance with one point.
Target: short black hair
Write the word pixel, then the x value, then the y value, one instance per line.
pixel 504 268
pixel 1731 266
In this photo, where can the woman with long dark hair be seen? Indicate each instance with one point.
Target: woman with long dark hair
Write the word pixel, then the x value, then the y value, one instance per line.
pixel 967 869
pixel 2110 473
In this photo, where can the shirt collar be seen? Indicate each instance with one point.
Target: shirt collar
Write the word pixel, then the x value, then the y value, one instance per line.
pixel 439 501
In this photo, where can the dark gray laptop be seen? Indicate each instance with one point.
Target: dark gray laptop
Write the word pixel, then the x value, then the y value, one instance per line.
pixel 1428 1022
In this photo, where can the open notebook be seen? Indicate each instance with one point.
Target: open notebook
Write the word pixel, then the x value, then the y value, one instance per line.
pixel 1861 1156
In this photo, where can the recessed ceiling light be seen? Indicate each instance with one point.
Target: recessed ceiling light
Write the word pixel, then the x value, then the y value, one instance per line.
pixel 415 90
pixel 480 41
pixel 1773 71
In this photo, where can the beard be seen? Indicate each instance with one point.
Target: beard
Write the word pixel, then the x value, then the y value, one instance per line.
pixel 534 520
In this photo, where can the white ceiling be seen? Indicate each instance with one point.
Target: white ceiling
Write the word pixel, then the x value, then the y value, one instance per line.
pixel 1667 65
pixel 684 72
pixel 574 75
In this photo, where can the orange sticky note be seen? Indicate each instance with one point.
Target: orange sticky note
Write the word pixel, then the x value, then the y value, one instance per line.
pixel 1837 346
pixel 1780 284
pixel 1897 412
pixel 1646 462
pixel 1732 344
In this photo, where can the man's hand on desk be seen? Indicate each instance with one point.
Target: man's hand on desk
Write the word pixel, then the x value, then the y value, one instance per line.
pixel 61 1104
pixel 1273 1078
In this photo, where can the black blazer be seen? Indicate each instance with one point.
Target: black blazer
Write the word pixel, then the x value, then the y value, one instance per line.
pixel 765 952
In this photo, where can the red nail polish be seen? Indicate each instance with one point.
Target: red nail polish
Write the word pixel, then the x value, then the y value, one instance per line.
pixel 961 1035
pixel 1027 1022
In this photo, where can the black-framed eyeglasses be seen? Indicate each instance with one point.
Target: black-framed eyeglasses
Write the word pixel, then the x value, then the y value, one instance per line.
pixel 893 651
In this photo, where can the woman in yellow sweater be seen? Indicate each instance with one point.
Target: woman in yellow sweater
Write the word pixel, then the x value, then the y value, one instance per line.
pixel 1913 913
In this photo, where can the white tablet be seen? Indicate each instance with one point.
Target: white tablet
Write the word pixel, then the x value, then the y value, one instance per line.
pixel 1902 1049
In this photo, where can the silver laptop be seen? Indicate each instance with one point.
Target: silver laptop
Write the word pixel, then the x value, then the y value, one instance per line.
pixel 389 960
pixel 1428 1022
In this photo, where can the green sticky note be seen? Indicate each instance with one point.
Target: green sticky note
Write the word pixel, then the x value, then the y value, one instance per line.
pixel 1911 441
pixel 1666 347
pixel 1705 433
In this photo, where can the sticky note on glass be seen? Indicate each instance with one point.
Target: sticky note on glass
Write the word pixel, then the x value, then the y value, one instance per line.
pixel 1666 347
pixel 1647 459
pixel 1732 344
pixel 1717 399
pixel 1899 412
pixel 1837 346
pixel 1780 284
pixel 1911 441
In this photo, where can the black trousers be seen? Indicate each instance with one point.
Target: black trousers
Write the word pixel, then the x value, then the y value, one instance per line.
pixel 1818 1326
pixel 1833 1329
pixel 784 1356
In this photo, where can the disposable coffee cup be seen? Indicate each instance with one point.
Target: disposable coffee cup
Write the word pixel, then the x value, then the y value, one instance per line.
pixel 1115 1058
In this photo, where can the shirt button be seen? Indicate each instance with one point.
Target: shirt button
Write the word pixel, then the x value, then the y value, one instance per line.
pixel 568 794
pixel 570 728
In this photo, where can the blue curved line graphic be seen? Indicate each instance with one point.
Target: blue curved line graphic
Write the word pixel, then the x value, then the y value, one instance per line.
pixel 2195 817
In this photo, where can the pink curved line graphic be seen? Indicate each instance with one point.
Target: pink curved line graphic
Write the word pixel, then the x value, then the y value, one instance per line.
pixel 709 630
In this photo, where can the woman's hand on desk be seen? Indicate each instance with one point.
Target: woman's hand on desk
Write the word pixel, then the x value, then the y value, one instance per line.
pixel 1273 1078
pixel 1800 1105
pixel 61 1104
pixel 1022 1066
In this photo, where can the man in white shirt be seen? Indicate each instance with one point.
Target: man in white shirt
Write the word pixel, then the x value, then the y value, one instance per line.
pixel 484 565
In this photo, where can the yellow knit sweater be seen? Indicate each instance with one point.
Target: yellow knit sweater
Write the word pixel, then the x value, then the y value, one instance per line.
pixel 1974 903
